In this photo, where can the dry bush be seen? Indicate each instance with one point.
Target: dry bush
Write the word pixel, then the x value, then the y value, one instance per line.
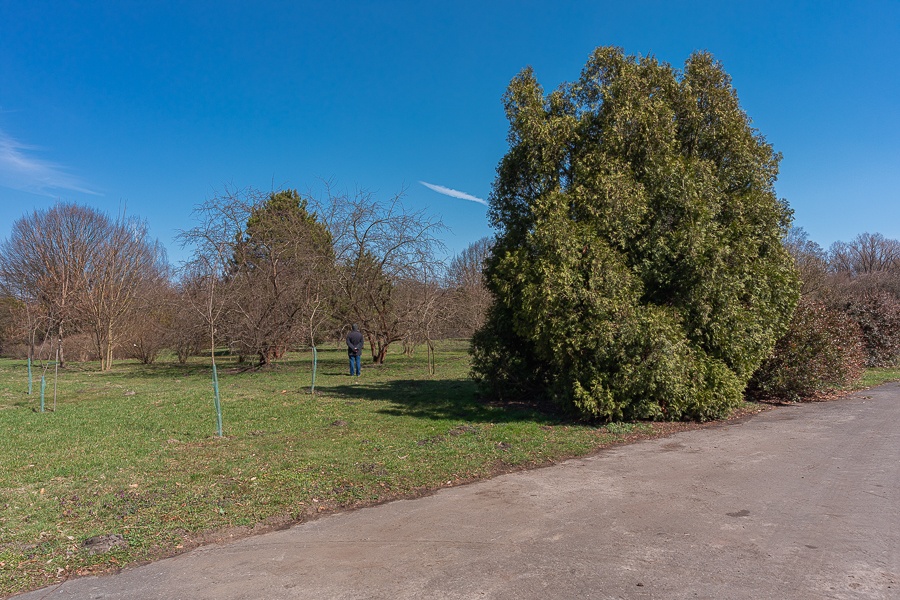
pixel 822 350
pixel 877 312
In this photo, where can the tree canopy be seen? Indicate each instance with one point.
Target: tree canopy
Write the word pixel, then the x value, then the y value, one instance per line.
pixel 638 270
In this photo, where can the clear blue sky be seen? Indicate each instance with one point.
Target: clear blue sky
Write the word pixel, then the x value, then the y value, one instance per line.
pixel 158 105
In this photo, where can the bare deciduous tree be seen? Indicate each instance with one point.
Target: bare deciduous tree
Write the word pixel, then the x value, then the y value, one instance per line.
pixel 811 261
pixel 188 332
pixel 425 302
pixel 221 224
pixel 152 320
pixel 470 298
pixel 378 246
pixel 866 254
pixel 124 262
pixel 10 319
pixel 76 270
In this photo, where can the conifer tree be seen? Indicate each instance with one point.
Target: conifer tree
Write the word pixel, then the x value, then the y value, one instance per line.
pixel 638 270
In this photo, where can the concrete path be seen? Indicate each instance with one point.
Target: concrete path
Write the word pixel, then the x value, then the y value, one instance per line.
pixel 799 502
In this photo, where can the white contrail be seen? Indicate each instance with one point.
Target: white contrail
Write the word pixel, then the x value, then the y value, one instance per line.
pixel 454 193
pixel 20 171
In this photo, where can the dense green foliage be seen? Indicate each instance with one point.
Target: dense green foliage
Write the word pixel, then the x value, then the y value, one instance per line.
pixel 278 221
pixel 821 351
pixel 639 270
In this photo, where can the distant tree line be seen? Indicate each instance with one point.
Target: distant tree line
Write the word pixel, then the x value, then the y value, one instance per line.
pixel 268 273
pixel 271 272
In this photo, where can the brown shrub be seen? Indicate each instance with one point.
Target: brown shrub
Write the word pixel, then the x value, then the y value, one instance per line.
pixel 877 312
pixel 822 350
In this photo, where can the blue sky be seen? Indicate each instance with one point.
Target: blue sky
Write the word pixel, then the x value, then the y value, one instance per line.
pixel 156 106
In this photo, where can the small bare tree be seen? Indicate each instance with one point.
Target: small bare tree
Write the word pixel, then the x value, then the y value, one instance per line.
pixel 424 303
pixel 188 333
pixel 152 320
pixel 221 224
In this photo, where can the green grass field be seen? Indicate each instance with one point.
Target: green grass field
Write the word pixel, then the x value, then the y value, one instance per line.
pixel 134 452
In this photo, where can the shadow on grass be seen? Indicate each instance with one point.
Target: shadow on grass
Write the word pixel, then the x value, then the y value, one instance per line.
pixel 175 370
pixel 227 365
pixel 442 400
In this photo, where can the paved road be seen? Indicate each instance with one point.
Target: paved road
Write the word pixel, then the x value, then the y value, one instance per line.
pixel 800 502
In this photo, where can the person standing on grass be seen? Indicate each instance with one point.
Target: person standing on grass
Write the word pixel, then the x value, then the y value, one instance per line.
pixel 354 349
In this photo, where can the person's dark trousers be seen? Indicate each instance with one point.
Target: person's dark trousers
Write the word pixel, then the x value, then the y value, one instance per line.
pixel 354 364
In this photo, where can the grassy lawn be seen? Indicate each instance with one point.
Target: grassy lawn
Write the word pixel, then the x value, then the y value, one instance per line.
pixel 878 375
pixel 134 452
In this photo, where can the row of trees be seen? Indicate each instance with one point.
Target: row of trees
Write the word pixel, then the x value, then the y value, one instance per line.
pixel 643 266
pixel 269 272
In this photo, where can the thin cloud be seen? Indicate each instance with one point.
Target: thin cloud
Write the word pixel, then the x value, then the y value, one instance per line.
pixel 453 193
pixel 21 171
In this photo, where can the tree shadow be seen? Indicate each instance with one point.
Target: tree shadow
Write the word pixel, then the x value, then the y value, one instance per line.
pixel 444 400
pixel 173 370
pixel 195 368
pixel 227 364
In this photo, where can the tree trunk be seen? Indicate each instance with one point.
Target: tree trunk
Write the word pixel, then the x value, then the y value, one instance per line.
pixel 109 346
pixel 59 344
pixel 109 353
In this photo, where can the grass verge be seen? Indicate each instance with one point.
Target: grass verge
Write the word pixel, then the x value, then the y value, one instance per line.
pixel 877 376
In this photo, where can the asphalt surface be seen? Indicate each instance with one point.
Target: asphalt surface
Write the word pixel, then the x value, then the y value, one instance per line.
pixel 795 503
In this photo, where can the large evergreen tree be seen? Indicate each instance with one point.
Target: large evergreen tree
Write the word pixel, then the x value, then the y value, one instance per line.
pixel 638 270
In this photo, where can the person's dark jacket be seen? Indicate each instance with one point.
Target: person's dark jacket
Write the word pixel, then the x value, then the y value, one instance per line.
pixel 354 343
